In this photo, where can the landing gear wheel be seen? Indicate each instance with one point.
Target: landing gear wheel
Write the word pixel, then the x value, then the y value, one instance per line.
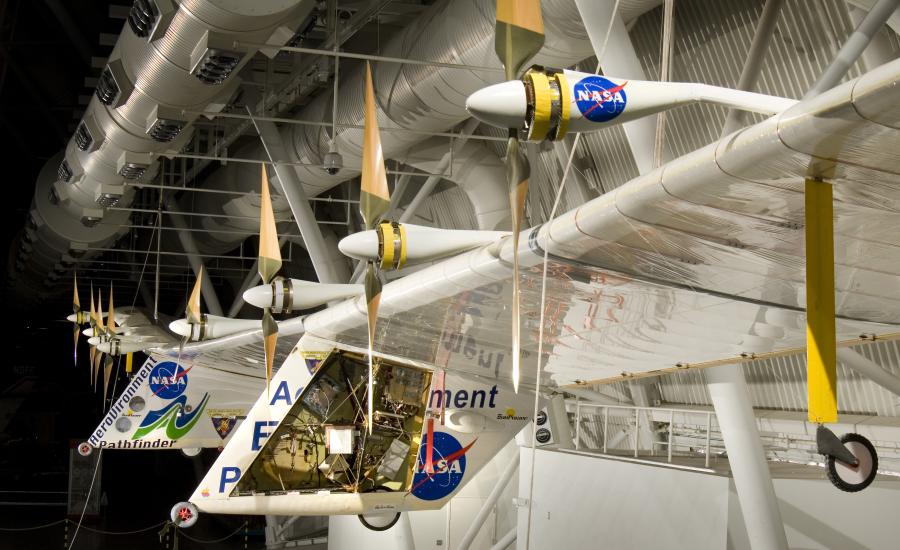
pixel 184 515
pixel 379 522
pixel 853 478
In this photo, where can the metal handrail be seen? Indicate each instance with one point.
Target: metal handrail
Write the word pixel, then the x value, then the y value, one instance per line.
pixel 579 405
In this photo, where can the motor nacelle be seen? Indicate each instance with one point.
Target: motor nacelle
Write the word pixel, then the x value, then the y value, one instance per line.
pixel 211 326
pixel 392 245
pixel 549 103
pixel 288 295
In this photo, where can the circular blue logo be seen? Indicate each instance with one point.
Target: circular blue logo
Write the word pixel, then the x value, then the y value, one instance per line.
pixel 168 380
pixel 599 99
pixel 449 465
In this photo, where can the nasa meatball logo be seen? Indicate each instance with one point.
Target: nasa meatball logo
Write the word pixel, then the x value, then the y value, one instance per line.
pixel 449 464
pixel 168 380
pixel 599 99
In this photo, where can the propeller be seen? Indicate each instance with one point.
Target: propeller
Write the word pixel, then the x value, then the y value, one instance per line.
pixel 93 326
pixel 374 202
pixel 79 317
pixel 519 35
pixel 269 265
pixel 111 333
pixel 197 326
pixel 100 331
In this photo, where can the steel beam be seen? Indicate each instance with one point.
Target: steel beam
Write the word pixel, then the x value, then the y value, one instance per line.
pixel 193 256
pixel 505 540
pixel 737 422
pixel 855 45
pixel 880 50
pixel 765 28
pixel 478 521
pixel 250 280
pixel 425 191
pixel 870 369
pixel 293 191
pixel 624 63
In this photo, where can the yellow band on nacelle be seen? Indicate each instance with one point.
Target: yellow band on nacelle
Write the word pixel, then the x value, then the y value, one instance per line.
pixel 565 106
pixel 386 234
pixel 402 260
pixel 540 122
pixel 392 245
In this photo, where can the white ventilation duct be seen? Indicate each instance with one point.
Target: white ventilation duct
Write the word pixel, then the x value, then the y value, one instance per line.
pixel 153 83
pixel 170 58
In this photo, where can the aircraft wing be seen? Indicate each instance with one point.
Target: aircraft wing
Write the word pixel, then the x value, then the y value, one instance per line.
pixel 698 263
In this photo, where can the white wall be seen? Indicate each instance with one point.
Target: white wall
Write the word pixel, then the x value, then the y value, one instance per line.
pixel 585 502
pixel 441 529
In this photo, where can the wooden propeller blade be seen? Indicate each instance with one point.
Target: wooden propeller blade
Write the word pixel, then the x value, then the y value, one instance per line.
pixel 374 197
pixel 270 339
pixel 519 33
pixel 269 251
pixel 192 311
pixel 517 174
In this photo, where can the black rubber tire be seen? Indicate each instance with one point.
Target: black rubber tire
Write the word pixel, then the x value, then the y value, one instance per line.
pixel 371 527
pixel 367 525
pixel 835 478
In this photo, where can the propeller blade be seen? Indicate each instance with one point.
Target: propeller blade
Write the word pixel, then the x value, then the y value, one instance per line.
pixel 129 363
pixel 269 251
pixel 111 316
pixel 373 299
pixel 374 197
pixel 95 369
pixel 76 309
pixel 76 303
pixel 519 33
pixel 192 311
pixel 517 173
pixel 107 371
pixel 99 327
pixel 76 334
pixel 270 339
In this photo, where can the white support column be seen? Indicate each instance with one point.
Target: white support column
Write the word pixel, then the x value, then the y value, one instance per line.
pixel 187 242
pixel 854 46
pixel 506 540
pixel 879 51
pixel 425 191
pixel 297 200
pixel 731 400
pixel 249 280
pixel 870 369
pixel 478 522
pixel 765 28
pixel 621 61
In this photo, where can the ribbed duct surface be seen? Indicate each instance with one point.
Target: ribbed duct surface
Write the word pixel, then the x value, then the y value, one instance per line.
pixel 424 97
pixel 138 112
